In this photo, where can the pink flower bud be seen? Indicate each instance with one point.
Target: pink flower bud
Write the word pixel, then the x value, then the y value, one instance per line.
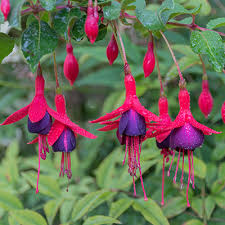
pixel 149 60
pixel 205 100
pixel 223 112
pixel 91 23
pixel 112 50
pixel 71 67
pixel 5 8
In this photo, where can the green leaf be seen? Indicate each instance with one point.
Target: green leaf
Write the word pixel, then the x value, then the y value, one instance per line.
pixel 38 41
pixel 87 203
pixel 2 19
pixel 217 186
pixel 119 207
pixel 97 220
pixel 51 208
pixel 9 201
pixel 66 210
pixel 205 6
pixel 174 207
pixel 151 211
pixel 221 174
pixel 78 29
pixel 14 17
pixel 62 19
pixel 12 221
pixel 49 5
pixel 209 206
pixel 6 46
pixel 47 185
pixel 28 217
pixel 102 32
pixel 211 44
pixel 220 199
pixel 194 222
pixel 125 4
pixel 112 12
pixel 215 23
pixel 197 206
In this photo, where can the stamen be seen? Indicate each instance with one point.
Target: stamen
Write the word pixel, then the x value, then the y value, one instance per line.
pixel 69 173
pixel 43 155
pixel 181 180
pixel 62 165
pixel 189 177
pixel 168 173
pixel 127 143
pixel 193 178
pixel 39 162
pixel 139 166
pixel 178 159
pixel 163 171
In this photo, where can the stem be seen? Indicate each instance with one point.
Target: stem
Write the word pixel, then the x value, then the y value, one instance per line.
pixel 121 43
pixel 203 67
pixel 173 56
pixel 55 70
pixel 69 34
pixel 158 70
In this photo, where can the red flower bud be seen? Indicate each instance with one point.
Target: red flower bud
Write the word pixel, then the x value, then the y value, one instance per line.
pixel 149 60
pixel 5 8
pixel 91 23
pixel 71 67
pixel 205 100
pixel 112 50
pixel 223 112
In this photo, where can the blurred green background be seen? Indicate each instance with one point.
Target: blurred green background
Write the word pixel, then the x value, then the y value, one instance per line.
pixel 100 186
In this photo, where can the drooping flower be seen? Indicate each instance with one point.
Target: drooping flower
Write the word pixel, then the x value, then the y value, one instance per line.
pixel 5 8
pixel 205 100
pixel 91 23
pixel 223 112
pixel 131 125
pixel 62 136
pixel 39 120
pixel 149 60
pixel 112 50
pixel 71 67
pixel 187 134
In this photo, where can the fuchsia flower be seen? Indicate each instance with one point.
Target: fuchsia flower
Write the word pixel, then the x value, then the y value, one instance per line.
pixel 112 50
pixel 71 67
pixel 223 112
pixel 205 100
pixel 5 8
pixel 131 125
pixel 91 23
pixel 187 134
pixel 39 120
pixel 62 136
pixel 149 60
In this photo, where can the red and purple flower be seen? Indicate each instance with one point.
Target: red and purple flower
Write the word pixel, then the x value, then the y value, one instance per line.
pixel 131 125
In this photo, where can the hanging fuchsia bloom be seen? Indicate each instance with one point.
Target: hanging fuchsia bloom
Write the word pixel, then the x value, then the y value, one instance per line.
pixel 112 50
pixel 71 67
pixel 149 60
pixel 187 134
pixel 131 125
pixel 62 136
pixel 5 8
pixel 39 120
pixel 205 100
pixel 91 23
pixel 223 112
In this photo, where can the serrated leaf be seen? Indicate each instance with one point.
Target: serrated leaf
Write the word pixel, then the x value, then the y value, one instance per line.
pixel 9 201
pixel 86 204
pixel 97 220
pixel 14 17
pixel 6 46
pixel 49 5
pixel 174 207
pixel 28 217
pixel 211 44
pixel 47 185
pixel 119 207
pixel 151 211
pixel 112 12
pixel 38 41
pixel 215 23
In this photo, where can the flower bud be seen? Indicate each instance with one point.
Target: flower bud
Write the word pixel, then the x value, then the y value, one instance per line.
pixel 112 50
pixel 91 23
pixel 5 8
pixel 149 60
pixel 223 112
pixel 205 100
pixel 71 67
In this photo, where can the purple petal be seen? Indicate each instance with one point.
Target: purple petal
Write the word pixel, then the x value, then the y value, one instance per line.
pixel 164 144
